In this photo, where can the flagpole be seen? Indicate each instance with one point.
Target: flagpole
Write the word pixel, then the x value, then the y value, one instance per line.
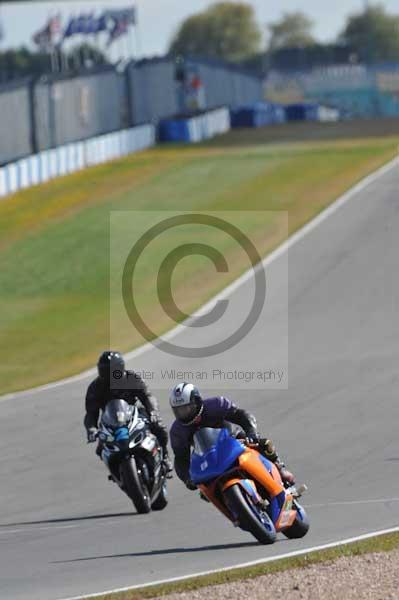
pixel 64 62
pixel 138 33
pixel 120 44
pixel 57 48
pixel 128 56
pixel 96 36
pixel 131 35
pixel 50 48
pixel 2 72
pixel 1 29
pixel 131 43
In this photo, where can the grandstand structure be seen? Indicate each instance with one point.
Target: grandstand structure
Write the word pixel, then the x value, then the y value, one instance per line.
pixel 356 90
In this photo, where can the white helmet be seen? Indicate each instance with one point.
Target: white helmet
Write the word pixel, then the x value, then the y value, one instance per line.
pixel 186 402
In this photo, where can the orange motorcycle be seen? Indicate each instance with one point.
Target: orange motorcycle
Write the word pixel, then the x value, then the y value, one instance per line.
pixel 246 487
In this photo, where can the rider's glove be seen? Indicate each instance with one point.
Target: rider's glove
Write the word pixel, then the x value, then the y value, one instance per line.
pixel 269 450
pixel 190 485
pixel 91 435
pixel 253 437
pixel 153 418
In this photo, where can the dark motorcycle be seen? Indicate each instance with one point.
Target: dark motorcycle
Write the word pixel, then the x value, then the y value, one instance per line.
pixel 133 456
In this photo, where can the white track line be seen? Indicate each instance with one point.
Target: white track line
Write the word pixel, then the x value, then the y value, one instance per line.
pixel 284 247
pixel 352 502
pixel 358 538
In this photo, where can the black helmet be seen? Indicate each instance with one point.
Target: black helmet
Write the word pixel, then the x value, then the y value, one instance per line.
pixel 186 402
pixel 110 365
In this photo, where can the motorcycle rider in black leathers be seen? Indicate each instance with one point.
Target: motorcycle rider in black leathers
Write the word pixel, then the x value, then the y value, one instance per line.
pixel 193 412
pixel 115 382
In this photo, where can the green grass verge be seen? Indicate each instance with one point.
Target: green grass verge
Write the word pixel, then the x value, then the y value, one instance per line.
pixel 383 543
pixel 54 239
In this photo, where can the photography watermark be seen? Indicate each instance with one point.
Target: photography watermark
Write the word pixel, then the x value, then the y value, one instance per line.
pixel 216 376
pixel 166 265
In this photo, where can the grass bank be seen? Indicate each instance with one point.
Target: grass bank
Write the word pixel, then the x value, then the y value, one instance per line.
pixel 54 239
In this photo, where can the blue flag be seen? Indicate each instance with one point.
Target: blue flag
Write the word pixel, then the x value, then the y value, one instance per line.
pixel 100 24
pixel 71 28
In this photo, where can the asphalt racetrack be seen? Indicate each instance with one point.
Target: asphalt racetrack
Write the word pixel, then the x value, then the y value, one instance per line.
pixel 65 530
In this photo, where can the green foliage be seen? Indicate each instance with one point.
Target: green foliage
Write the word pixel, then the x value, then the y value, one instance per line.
pixel 21 62
pixel 293 30
pixel 373 34
pixel 225 30
pixel 87 55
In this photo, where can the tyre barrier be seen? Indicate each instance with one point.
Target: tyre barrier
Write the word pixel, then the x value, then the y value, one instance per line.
pixel 258 114
pixel 194 129
pixel 311 112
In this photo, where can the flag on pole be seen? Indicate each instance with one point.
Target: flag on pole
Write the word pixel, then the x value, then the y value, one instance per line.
pixel 90 24
pixel 119 29
pixel 115 22
pixel 122 19
pixel 45 38
pixel 2 35
pixel 70 29
pixel 54 25
pixel 100 24
pixel 83 24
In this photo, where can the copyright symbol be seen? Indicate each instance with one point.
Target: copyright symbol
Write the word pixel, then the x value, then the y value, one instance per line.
pixel 164 284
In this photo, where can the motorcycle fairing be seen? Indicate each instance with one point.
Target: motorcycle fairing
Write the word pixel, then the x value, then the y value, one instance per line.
pixel 121 434
pixel 217 460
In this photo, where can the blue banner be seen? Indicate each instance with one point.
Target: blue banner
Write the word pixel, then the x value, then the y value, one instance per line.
pixel 115 22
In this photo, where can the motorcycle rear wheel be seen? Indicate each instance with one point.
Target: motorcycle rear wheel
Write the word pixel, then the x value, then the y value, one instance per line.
pixel 135 488
pixel 235 499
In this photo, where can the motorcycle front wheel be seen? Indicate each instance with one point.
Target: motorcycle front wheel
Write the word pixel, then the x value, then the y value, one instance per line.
pixel 162 500
pixel 300 526
pixel 135 487
pixel 249 519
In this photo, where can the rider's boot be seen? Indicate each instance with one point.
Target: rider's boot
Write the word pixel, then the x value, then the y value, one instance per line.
pixel 99 449
pixel 167 463
pixel 269 451
pixel 286 475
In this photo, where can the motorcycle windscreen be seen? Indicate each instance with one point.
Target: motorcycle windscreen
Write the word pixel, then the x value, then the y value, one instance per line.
pixel 117 413
pixel 215 451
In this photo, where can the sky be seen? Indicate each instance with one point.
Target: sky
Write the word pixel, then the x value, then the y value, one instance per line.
pixel 158 19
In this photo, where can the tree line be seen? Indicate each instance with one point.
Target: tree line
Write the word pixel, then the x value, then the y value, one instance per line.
pixel 22 62
pixel 231 32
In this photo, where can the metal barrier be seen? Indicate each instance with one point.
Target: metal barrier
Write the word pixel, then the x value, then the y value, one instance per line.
pixel 67 110
pixel 229 86
pixel 152 90
pixel 15 121
pixel 70 158
pixel 58 110
pixel 55 111
pixel 161 88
